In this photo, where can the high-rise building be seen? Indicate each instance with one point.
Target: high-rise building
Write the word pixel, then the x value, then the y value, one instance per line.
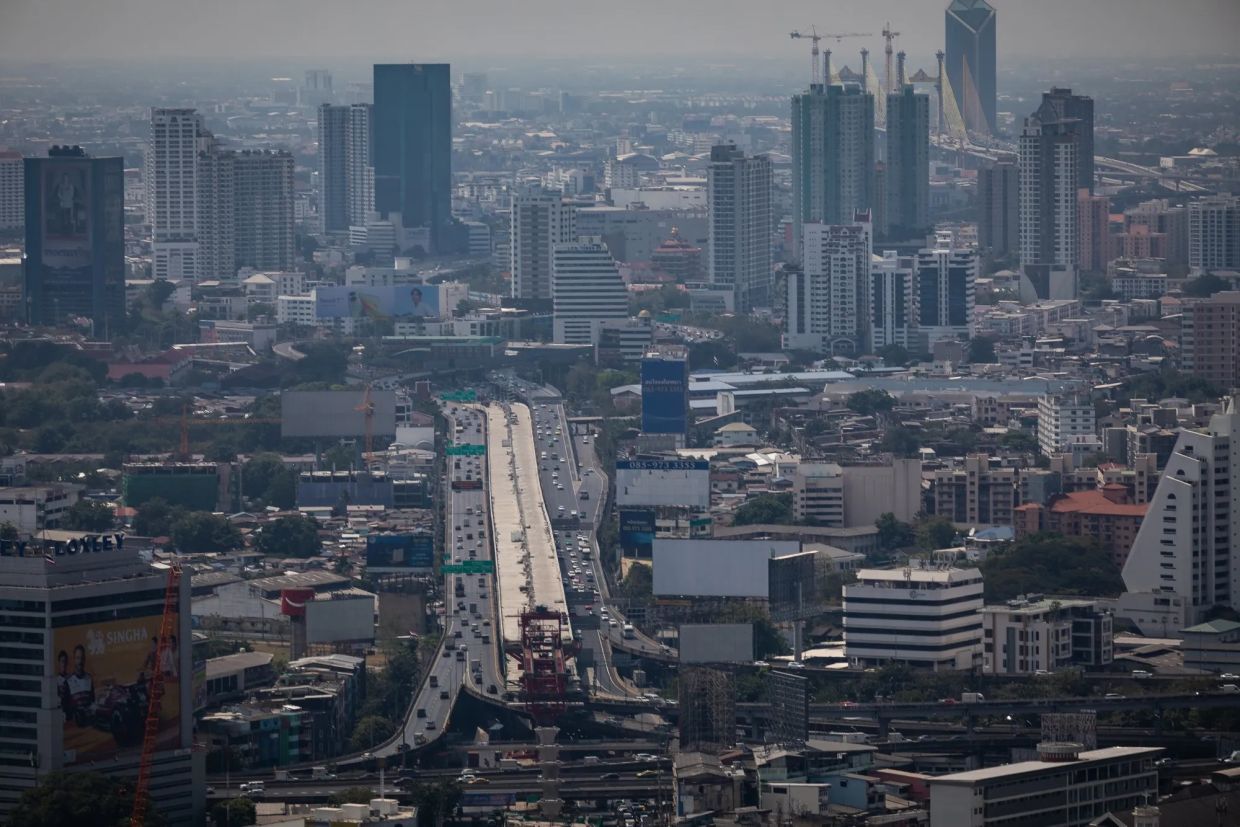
pixel 1049 240
pixel 893 302
pixel 170 174
pixel 1189 543
pixel 12 190
pixel 245 209
pixel 1093 221
pixel 587 292
pixel 80 613
pixel 75 239
pixel 971 62
pixel 1210 339
pixel 1169 222
pixel 829 299
pixel 1076 111
pixel 412 142
pixel 923 617
pixel 346 185
pixel 998 212
pixel 739 205
pixel 540 221
pixel 832 155
pixel 1214 234
pixel 946 278
pixel 907 172
pixel 359 168
pixel 215 233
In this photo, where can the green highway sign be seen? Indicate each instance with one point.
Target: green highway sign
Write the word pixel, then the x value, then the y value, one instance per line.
pixel 471 567
pixel 466 450
pixel 460 396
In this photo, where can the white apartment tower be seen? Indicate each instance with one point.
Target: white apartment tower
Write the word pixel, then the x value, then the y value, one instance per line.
pixel 946 278
pixel 1064 420
pixel 893 301
pixel 739 206
pixel 829 301
pixel 359 166
pixel 1048 232
pixel 346 176
pixel 171 173
pixel 540 221
pixel 927 617
pixel 1214 234
pixel 12 190
pixel 1189 542
pixel 587 292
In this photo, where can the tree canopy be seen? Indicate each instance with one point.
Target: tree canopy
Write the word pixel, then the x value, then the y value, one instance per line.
pixel 765 509
pixel 1050 564
pixel 234 811
pixel 291 536
pixel 64 799
pixel 892 533
pixel 202 531
pixel 88 515
pixel 871 401
pixel 935 533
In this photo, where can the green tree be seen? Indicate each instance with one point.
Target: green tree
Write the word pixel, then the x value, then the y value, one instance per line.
pixel 900 441
pixel 767 639
pixel 982 349
pixel 64 799
pixel 291 536
pixel 870 402
pixel 1050 564
pixel 8 531
pixel 352 795
pixel 203 531
pixel 895 355
pixel 1204 286
pixel 1019 442
pixel 436 802
pixel 638 584
pixel 234 812
pixel 155 518
pixel 88 515
pixel 765 509
pixel 370 732
pixel 936 533
pixel 893 533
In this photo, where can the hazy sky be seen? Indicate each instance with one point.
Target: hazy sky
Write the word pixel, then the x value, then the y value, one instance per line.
pixel 470 30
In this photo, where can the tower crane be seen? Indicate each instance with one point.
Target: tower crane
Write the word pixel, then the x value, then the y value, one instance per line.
pixel 155 695
pixel 889 36
pixel 367 409
pixel 814 37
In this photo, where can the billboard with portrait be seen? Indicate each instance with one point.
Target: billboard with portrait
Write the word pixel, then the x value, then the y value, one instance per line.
pixel 103 672
pixel 405 302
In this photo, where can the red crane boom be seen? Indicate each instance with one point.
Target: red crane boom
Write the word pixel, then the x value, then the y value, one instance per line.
pixel 155 693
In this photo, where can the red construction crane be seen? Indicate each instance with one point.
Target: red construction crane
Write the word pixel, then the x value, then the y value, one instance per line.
pixel 368 411
pixel 155 696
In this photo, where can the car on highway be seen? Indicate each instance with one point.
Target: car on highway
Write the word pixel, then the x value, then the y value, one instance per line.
pixel 647 773
pixel 609 776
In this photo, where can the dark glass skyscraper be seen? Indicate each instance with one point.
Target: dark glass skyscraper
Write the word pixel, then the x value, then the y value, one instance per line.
pixel 971 62
pixel 1077 112
pixel 75 239
pixel 907 180
pixel 412 134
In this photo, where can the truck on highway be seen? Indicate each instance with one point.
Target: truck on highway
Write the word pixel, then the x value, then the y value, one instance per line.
pixel 629 632
pixel 475 665
pixel 971 697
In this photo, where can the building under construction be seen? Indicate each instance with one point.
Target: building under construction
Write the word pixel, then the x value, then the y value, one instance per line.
pixel 707 709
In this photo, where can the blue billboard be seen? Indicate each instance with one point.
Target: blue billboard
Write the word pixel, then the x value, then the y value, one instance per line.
pixel 409 301
pixel 665 396
pixel 399 552
pixel 637 532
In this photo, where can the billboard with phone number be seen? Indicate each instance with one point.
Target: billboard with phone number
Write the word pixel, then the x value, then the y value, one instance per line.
pixel 103 672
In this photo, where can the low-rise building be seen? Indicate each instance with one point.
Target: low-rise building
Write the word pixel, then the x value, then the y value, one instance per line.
pixel 33 508
pixel 1106 515
pixel 1213 646
pixel 1032 634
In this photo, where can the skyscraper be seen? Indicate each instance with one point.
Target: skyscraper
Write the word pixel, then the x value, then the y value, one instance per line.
pixel 738 194
pixel 1048 209
pixel 75 239
pixel 540 221
pixel 587 291
pixel 170 174
pixel 1214 234
pixel 971 63
pixel 907 173
pixel 829 300
pixel 1093 220
pixel 1077 113
pixel 12 190
pixel 346 177
pixel 946 277
pixel 1210 339
pixel 998 211
pixel 893 301
pixel 359 164
pixel 245 208
pixel 412 132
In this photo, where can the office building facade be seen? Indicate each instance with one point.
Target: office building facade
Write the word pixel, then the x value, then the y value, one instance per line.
pixel 998 209
pixel 12 190
pixel 1210 339
pixel 245 212
pixel 1077 112
pixel 828 301
pixel 971 62
pixel 170 173
pixel 346 187
pixel 1214 234
pixel 1093 219
pixel 907 173
pixel 1049 232
pixel 946 278
pixel 893 302
pixel 739 207
pixel 1029 635
pixel 79 615
pixel 412 141
pixel 75 239
pixel 540 221
pixel 587 292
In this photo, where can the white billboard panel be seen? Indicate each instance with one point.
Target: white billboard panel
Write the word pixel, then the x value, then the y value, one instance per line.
pixel 662 482
pixel 716 568
pixel 716 643
pixel 343 619
pixel 336 413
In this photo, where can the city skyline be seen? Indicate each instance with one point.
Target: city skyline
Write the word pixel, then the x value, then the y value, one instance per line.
pixel 55 30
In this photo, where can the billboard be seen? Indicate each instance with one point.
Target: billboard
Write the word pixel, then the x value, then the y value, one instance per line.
pixel 716 643
pixel 716 568
pixel 663 482
pixel 406 302
pixel 637 532
pixel 788 696
pixel 102 674
pixel 665 396
pixel 387 553
pixel 336 413
pixel 792 586
pixel 341 619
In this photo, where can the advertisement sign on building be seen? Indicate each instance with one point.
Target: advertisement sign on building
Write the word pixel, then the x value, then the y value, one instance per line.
pixel 390 553
pixel 665 396
pixel 789 697
pixel 409 301
pixel 340 619
pixel 716 643
pixel 337 413
pixel 792 592
pixel 102 674
pixel 637 532
pixel 716 568
pixel 663 482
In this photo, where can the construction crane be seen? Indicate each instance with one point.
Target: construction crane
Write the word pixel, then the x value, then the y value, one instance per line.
pixel 814 37
pixel 155 696
pixel 889 36
pixel 186 421
pixel 367 409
